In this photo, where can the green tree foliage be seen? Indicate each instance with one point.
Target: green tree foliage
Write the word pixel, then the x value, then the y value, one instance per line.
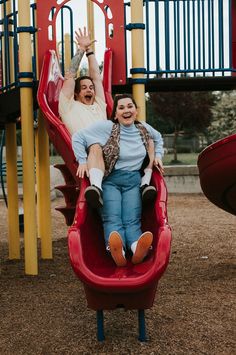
pixel 224 116
pixel 174 112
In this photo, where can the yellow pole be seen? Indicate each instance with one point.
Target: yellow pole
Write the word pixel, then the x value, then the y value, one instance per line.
pixel 137 42
pixel 11 163
pixel 90 21
pixel 26 100
pixel 43 188
pixel 67 51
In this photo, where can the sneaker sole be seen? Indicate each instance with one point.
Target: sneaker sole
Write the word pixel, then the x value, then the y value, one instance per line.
pixel 143 246
pixel 93 198
pixel 149 196
pixel 116 247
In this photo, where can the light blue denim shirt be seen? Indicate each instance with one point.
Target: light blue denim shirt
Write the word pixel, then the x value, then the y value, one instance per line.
pixel 132 150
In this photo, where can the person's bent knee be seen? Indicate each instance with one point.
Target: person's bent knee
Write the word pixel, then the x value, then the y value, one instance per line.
pixel 95 149
pixel 95 157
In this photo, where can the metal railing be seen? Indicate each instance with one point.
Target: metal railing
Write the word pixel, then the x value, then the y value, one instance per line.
pixel 182 38
pixel 187 37
pixel 9 42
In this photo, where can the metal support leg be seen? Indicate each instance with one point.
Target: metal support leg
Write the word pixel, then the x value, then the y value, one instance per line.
pixel 141 323
pixel 100 326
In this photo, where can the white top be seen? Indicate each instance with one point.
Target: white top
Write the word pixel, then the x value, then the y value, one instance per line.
pixel 77 115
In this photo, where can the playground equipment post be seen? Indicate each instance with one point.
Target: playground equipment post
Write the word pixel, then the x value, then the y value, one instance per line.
pixel 90 21
pixel 138 56
pixel 26 101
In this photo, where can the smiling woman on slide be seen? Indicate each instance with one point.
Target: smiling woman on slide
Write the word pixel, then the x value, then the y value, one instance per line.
pixel 125 143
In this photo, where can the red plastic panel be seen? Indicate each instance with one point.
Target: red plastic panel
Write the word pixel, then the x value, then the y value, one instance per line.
pixel 107 80
pixel 217 173
pixel 108 286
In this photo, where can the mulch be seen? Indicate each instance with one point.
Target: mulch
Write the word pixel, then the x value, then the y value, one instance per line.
pixel 194 309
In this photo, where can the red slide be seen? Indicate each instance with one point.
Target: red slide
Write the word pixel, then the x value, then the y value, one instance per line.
pixel 106 286
pixel 217 173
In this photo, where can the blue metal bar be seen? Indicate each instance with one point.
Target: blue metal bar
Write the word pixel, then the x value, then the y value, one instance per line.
pixel 184 30
pixel 209 32
pixel 211 70
pixel 9 86
pixel 175 38
pixel 213 37
pixel 230 35
pixel 199 33
pixel 194 36
pixel 138 70
pixel 203 39
pixel 62 43
pixel 220 32
pixel 65 7
pixel 6 47
pixel 167 35
pixel 62 11
pixel 71 32
pixel 142 328
pixel 16 62
pixel 135 26
pixel 188 26
pixel 178 31
pixel 147 36
pixel 100 326
pixel 157 35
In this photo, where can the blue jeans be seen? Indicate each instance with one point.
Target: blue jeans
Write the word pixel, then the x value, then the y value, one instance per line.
pixel 122 206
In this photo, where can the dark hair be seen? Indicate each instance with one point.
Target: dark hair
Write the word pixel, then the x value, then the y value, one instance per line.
pixel 115 103
pixel 78 80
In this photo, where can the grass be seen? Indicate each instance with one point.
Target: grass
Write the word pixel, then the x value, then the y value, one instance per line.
pixel 183 159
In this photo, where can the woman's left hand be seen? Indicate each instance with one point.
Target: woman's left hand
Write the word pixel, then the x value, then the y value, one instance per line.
pixel 159 164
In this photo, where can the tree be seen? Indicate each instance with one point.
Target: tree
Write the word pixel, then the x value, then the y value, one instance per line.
pixel 182 111
pixel 224 116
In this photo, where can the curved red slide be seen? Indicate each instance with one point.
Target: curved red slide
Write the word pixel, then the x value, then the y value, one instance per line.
pixel 217 173
pixel 106 286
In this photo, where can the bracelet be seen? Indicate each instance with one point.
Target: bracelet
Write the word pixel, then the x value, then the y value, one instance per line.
pixel 87 54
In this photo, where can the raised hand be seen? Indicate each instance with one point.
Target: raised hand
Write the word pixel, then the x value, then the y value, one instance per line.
pixel 83 39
